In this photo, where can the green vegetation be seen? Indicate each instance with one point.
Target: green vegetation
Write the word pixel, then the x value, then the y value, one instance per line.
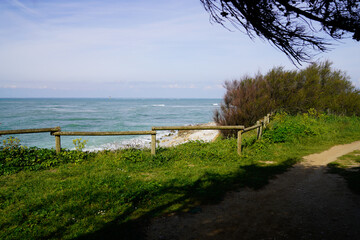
pixel 348 166
pixel 318 86
pixel 112 194
pixel 79 144
pixel 15 159
pixel 11 143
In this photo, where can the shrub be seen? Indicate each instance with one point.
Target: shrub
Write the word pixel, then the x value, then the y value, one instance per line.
pixel 132 155
pixel 285 128
pixel 244 103
pixel 15 158
pixel 318 87
pixel 79 144
pixel 11 143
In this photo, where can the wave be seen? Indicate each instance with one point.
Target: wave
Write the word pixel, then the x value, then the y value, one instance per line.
pixel 158 105
pixel 81 119
pixel 72 110
pixel 139 142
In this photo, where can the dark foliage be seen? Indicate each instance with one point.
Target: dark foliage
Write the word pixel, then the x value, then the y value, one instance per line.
pixel 317 86
pixel 294 27
pixel 245 102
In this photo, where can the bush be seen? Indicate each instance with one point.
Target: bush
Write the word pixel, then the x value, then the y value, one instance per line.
pixel 11 143
pixel 285 128
pixel 318 87
pixel 244 103
pixel 79 144
pixel 18 158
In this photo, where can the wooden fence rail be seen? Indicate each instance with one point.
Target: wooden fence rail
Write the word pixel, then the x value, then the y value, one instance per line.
pixel 198 128
pixel 103 133
pixel 23 131
pixel 252 128
pixel 56 131
pixel 58 134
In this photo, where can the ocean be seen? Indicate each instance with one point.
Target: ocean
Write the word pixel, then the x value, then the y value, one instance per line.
pixel 100 115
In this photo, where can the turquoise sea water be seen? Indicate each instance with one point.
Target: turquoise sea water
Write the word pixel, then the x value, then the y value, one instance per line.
pixel 100 115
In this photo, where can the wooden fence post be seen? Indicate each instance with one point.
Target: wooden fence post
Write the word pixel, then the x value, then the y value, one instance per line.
pixel 57 144
pixel 239 142
pixel 153 144
pixel 261 128
pixel 258 130
pixel 57 140
pixel 265 122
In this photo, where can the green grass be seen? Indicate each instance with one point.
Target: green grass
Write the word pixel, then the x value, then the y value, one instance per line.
pixel 114 194
pixel 348 166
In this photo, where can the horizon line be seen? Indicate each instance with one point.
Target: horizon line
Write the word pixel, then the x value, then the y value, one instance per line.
pixel 107 98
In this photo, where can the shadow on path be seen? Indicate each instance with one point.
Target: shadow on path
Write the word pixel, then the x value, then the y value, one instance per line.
pixel 303 203
pixel 209 189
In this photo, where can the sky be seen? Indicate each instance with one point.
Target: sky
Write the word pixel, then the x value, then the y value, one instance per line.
pixel 133 49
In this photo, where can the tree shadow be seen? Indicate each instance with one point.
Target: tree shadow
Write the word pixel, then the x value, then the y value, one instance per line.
pixel 351 175
pixel 210 188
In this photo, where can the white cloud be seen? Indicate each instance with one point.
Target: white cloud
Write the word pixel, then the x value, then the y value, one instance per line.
pixel 25 86
pixel 180 86
pixel 9 86
pixel 211 87
pixel 22 6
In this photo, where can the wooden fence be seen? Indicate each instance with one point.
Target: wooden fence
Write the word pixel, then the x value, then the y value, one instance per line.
pixel 23 131
pixel 56 131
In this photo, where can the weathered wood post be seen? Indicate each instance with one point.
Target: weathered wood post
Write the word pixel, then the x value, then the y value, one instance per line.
pixel 57 144
pixel 258 130
pixel 261 128
pixel 57 140
pixel 265 122
pixel 153 144
pixel 239 142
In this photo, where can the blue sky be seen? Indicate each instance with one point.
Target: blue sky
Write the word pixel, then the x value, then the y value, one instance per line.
pixel 135 48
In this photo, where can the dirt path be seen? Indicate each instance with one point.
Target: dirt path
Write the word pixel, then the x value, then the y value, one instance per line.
pixel 303 203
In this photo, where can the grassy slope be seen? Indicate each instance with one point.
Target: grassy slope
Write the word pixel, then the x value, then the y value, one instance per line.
pixel 115 193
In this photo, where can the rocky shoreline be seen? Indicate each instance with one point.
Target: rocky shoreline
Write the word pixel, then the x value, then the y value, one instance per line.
pixel 179 137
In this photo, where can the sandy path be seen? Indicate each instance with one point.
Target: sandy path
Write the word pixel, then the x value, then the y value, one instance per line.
pixel 303 203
